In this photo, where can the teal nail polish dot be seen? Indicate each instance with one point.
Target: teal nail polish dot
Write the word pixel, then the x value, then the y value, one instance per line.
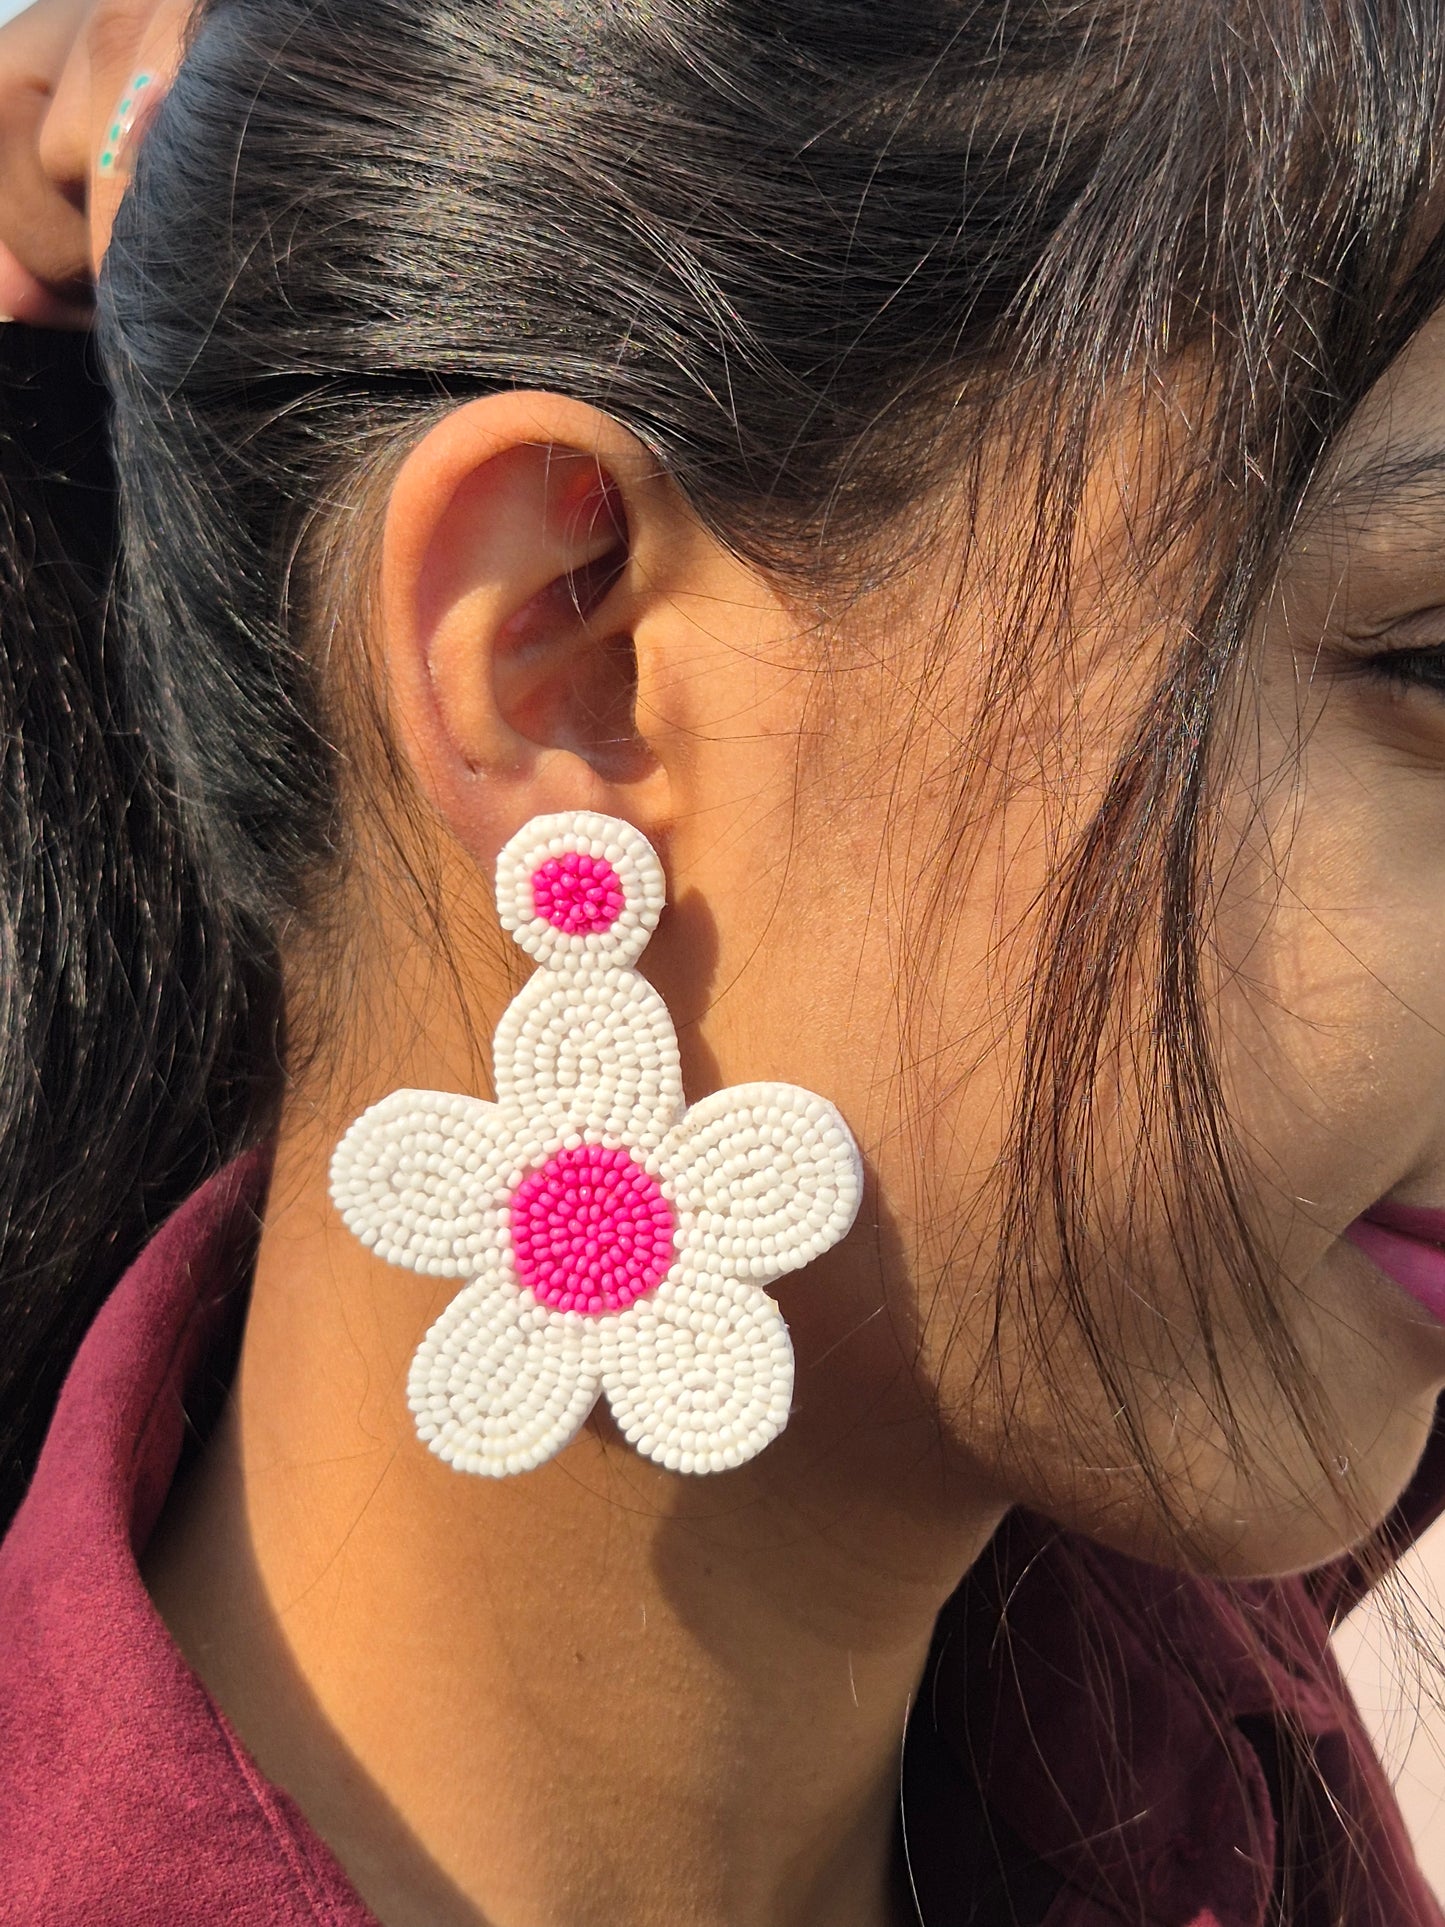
pixel 107 158
pixel 115 132
pixel 142 80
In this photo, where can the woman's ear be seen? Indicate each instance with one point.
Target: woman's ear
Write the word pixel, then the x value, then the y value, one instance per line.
pixel 508 597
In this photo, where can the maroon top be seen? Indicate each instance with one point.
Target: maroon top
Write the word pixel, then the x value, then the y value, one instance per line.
pixel 1117 1760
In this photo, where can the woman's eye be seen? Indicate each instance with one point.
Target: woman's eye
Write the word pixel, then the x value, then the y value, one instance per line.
pixel 1408 668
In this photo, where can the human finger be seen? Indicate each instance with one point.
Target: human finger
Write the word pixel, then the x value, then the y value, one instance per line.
pixel 43 231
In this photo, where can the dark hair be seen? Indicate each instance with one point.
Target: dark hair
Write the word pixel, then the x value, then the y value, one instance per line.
pixel 770 239
pixel 132 1032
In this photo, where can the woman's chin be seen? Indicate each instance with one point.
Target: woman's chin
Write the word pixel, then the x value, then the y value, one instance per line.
pixel 1231 1523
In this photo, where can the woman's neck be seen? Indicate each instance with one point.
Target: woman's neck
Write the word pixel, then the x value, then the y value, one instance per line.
pixel 599 1693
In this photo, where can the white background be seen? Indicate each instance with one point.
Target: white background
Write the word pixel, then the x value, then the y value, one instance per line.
pixel 1399 1682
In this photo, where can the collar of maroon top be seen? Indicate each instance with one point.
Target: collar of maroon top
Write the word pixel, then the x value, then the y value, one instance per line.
pixel 1102 1736
pixel 125 1798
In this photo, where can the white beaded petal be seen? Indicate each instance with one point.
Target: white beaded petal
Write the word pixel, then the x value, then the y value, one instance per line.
pixel 500 1384
pixel 700 1376
pixel 584 832
pixel 767 1178
pixel 592 1051
pixel 420 1179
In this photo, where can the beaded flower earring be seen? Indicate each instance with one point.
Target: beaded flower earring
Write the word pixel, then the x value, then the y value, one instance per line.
pixel 612 1239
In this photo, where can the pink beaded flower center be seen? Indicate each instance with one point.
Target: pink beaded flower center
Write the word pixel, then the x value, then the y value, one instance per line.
pixel 591 1231
pixel 578 894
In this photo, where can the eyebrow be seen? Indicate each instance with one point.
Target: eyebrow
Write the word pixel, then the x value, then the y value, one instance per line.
pixel 1399 478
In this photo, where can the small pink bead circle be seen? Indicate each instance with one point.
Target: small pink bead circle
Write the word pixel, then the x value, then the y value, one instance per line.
pixel 578 894
pixel 591 1231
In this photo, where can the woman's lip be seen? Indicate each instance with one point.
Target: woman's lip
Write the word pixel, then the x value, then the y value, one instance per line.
pixel 1405 1241
pixel 1410 1220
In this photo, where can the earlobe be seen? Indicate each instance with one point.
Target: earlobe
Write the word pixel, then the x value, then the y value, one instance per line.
pixel 505 616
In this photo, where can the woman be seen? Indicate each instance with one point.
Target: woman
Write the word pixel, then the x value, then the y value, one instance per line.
pixel 951 496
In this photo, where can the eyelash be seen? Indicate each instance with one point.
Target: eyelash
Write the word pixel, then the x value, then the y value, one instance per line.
pixel 1408 669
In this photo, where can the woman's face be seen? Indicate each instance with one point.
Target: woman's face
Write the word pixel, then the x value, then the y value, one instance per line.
pixel 864 827
pixel 860 862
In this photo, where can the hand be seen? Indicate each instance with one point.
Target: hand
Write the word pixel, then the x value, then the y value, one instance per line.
pixel 67 74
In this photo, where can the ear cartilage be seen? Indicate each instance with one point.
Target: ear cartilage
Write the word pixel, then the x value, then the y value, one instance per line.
pixel 608 1238
pixel 122 124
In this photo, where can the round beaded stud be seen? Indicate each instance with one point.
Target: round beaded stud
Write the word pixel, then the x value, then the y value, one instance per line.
pixel 610 1239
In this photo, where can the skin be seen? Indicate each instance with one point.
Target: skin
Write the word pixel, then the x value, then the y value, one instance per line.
pixel 602 1693
pixel 65 65
pixel 732 1659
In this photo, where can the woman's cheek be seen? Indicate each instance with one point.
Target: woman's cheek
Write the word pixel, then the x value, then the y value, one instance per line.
pixel 1323 960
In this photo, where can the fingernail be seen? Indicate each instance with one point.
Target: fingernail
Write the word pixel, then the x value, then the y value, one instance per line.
pixel 118 133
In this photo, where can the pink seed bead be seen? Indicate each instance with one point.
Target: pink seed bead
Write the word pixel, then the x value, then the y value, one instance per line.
pixel 577 894
pixel 625 1248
